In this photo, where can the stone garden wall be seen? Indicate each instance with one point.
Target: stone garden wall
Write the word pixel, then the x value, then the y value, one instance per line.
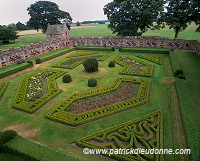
pixel 17 55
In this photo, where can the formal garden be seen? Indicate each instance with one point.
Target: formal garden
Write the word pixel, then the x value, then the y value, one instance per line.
pixel 100 97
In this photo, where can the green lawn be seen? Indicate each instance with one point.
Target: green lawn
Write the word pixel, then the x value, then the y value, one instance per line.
pixel 162 96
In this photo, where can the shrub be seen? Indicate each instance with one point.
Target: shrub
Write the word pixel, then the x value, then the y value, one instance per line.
pixel 6 136
pixel 30 62
pixel 67 78
pixel 180 76
pixel 91 65
pixel 111 64
pixel 177 72
pixel 92 82
pixel 113 49
pixel 38 61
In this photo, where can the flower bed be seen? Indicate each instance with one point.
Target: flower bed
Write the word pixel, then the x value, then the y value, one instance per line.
pixel 20 101
pixel 71 63
pixel 61 115
pixel 125 91
pixel 36 87
pixel 145 132
pixel 134 66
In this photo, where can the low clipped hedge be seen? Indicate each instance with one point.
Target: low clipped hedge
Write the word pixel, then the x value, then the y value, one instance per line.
pixel 31 151
pixel 116 135
pixel 15 69
pixel 151 58
pixel 136 50
pixel 52 90
pixel 60 115
pixel 3 87
pixel 6 136
pixel 54 54
pixel 61 64
pixel 190 118
pixel 126 67
pixel 94 48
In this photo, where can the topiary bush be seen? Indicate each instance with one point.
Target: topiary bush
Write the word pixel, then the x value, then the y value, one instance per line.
pixel 111 64
pixel 38 61
pixel 177 72
pixel 92 82
pixel 67 78
pixel 6 136
pixel 91 65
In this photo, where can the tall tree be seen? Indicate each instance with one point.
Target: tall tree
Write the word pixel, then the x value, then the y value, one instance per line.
pixel 45 12
pixel 132 17
pixel 180 13
pixel 7 34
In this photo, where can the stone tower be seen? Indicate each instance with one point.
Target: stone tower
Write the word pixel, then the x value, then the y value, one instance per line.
pixel 58 32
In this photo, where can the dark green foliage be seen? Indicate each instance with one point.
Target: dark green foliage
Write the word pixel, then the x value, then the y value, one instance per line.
pixel 113 49
pixel 180 13
pixel 15 70
pixel 132 17
pixel 7 35
pixel 43 13
pixel 92 82
pixel 30 62
pixel 136 50
pixel 111 64
pixel 38 61
pixel 93 48
pixel 91 65
pixel 190 118
pixel 78 24
pixel 177 72
pixel 180 76
pixel 67 78
pixel 6 136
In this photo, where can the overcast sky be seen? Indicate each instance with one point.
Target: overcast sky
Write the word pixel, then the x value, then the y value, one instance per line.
pixel 12 11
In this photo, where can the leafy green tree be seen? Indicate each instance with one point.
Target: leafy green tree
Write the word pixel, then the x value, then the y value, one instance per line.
pixel 7 34
pixel 45 12
pixel 180 13
pixel 78 24
pixel 12 26
pixel 132 17
pixel 21 26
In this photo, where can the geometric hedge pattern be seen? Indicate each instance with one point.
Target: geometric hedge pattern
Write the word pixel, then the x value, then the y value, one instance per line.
pixel 133 66
pixel 61 114
pixel 145 132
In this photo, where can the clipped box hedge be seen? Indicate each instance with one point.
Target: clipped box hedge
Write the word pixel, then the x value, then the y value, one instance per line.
pixel 31 151
pixel 55 54
pixel 62 65
pixel 52 90
pixel 136 50
pixel 151 58
pixel 190 118
pixel 94 48
pixel 16 69
pixel 3 87
pixel 60 114
pixel 148 70
pixel 128 133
